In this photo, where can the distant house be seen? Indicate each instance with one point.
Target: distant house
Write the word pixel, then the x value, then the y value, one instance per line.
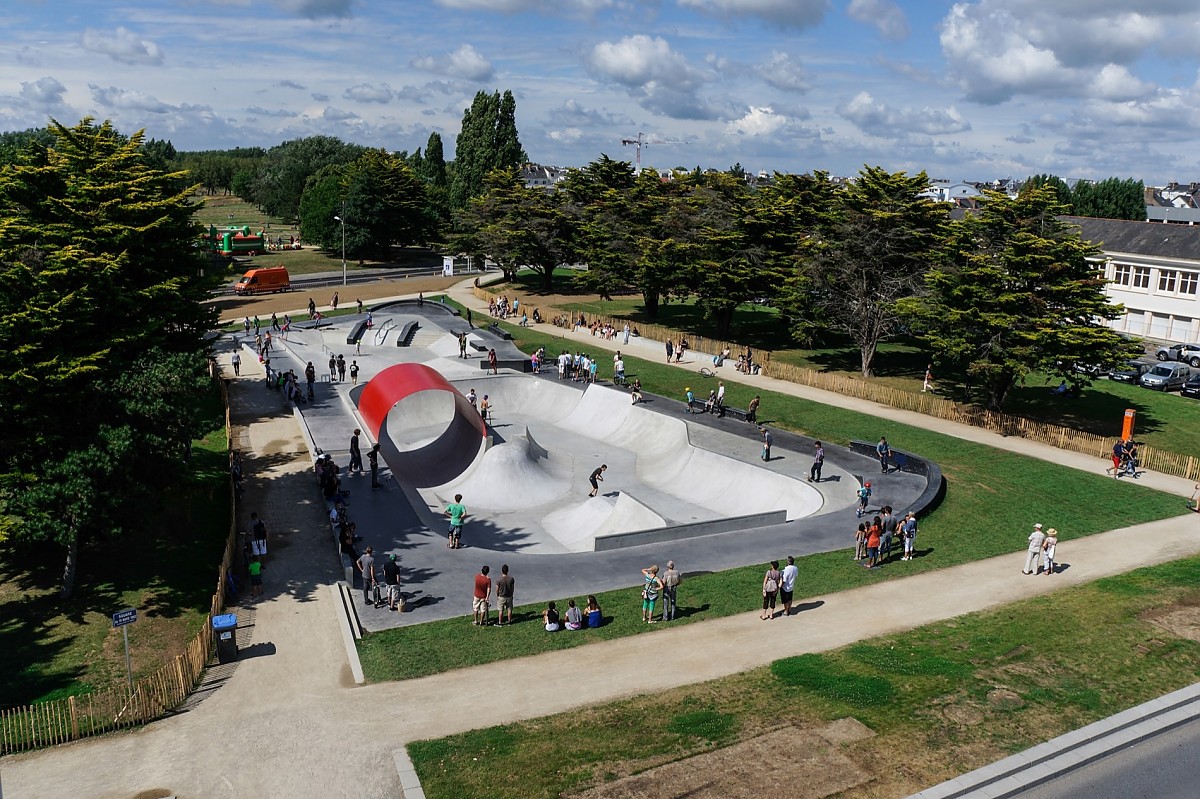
pixel 1154 271
pixel 536 176
pixel 1174 203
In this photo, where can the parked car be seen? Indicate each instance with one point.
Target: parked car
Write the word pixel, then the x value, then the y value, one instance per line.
pixel 1192 387
pixel 1166 376
pixel 1189 353
pixel 1130 371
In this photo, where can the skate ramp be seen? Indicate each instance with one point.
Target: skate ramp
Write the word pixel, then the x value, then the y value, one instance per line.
pixel 577 527
pixel 517 474
pixel 428 433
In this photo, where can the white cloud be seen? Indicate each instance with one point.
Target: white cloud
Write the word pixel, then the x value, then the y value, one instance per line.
pixel 43 91
pixel 790 13
pixel 332 114
pixel 885 15
pixel 259 111
pixel 784 71
pixel 639 60
pixel 999 49
pixel 122 45
pixel 368 93
pixel 128 100
pixel 876 118
pixel 573 114
pixel 466 63
pixel 758 121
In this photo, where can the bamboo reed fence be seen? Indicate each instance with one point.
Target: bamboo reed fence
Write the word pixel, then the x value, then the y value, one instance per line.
pixel 1064 438
pixel 152 696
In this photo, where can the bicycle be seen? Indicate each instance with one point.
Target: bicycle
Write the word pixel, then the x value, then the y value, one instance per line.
pixel 706 372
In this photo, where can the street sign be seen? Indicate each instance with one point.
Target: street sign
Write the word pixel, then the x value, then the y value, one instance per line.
pixel 123 617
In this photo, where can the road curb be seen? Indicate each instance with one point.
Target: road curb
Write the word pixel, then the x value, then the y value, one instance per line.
pixel 1040 764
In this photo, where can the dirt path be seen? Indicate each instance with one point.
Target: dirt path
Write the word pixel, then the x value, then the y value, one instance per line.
pixel 234 308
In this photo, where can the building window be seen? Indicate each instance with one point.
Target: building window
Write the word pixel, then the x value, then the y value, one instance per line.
pixel 1187 282
pixel 1141 277
pixel 1122 274
pixel 1166 281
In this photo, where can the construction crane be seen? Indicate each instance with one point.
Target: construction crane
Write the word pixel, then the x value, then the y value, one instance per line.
pixel 643 140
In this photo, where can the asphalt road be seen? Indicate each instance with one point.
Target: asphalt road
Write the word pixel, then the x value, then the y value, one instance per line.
pixel 1162 767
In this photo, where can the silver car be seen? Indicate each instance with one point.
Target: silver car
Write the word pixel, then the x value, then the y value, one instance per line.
pixel 1166 376
pixel 1188 353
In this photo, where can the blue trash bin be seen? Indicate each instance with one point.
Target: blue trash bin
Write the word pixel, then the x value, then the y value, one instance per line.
pixel 225 633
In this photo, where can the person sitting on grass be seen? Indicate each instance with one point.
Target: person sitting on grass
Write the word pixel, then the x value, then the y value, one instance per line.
pixel 550 618
pixel 594 614
pixel 574 616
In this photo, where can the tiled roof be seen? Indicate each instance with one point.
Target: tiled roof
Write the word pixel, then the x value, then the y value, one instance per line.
pixel 1154 239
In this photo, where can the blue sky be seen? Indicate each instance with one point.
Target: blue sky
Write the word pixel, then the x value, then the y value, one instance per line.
pixel 974 90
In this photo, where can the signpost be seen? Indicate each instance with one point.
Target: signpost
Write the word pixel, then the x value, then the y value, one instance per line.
pixel 122 619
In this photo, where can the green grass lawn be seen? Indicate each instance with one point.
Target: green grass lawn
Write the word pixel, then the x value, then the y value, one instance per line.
pixel 942 699
pixel 50 648
pixel 976 520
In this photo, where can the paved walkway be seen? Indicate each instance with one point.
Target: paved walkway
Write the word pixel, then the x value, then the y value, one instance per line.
pixel 290 722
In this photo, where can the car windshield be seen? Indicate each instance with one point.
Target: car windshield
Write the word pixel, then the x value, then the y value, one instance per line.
pixel 1164 371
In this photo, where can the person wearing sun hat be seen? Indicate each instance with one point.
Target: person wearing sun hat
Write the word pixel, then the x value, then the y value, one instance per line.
pixel 1035 548
pixel 1048 547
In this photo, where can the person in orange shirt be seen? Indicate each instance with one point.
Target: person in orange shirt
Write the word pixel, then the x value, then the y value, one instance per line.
pixel 873 544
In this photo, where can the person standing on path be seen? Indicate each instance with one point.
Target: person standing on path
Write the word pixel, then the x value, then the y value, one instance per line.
pixel 884 451
pixel 355 453
pixel 310 377
pixel 770 589
pixel 928 385
pixel 1049 545
pixel 492 362
pixel 752 410
pixel 373 458
pixel 354 373
pixel 1118 457
pixel 258 536
pixel 255 569
pixel 391 578
pixel 246 325
pixel 596 478
pixel 787 584
pixel 627 334
pixel 768 440
pixel 236 361
pixel 650 590
pixel 670 349
pixel 462 344
pixel 366 565
pixel 341 368
pixel 505 591
pixel 814 474
pixel 334 302
pixel 670 582
pixel 332 368
pixel 456 511
pixel 482 597
pixel 1034 550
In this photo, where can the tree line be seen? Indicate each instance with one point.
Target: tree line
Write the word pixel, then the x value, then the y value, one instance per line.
pixel 994 295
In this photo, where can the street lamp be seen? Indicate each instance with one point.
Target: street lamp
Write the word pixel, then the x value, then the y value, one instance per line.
pixel 343 221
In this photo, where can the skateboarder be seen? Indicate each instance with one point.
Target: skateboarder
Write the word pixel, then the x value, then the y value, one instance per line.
pixel 457 512
pixel 597 478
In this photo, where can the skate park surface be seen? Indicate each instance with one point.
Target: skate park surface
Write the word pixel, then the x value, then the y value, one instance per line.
pixel 526 493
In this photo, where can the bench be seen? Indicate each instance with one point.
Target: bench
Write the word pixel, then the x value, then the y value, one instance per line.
pixel 406 333
pixel 500 332
pixel 357 332
pixel 699 406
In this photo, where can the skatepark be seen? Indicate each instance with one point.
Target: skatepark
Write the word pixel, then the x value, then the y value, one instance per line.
pixel 689 487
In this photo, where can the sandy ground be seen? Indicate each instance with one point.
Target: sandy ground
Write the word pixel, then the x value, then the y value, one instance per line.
pixel 234 308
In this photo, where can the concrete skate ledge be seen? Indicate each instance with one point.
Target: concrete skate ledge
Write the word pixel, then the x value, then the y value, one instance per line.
pixel 678 532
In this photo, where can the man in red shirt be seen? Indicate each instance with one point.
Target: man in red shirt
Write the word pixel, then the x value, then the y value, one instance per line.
pixel 483 595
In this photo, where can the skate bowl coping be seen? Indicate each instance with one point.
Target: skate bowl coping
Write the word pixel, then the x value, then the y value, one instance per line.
pixel 935 488
pixel 428 432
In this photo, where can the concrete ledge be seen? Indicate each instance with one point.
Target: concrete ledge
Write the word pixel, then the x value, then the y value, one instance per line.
pixel 1046 761
pixel 678 532
pixel 357 332
pixel 348 624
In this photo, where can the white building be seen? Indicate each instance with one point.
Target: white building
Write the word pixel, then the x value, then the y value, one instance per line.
pixel 1153 270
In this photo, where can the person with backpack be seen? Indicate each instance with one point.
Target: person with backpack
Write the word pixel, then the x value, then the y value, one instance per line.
pixel 770 590
pixel 391 578
pixel 884 451
pixel 650 591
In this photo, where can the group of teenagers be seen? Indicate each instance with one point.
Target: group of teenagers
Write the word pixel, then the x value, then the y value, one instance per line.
pixel 873 541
